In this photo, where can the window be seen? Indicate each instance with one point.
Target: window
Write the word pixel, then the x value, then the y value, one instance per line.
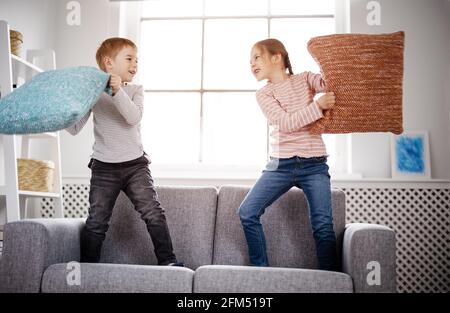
pixel 200 105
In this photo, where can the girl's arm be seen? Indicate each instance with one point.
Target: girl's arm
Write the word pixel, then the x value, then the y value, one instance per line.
pixel 130 109
pixel 316 82
pixel 287 122
pixel 78 126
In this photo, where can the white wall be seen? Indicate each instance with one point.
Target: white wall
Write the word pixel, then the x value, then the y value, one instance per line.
pixel 34 19
pixel 426 99
pixel 75 46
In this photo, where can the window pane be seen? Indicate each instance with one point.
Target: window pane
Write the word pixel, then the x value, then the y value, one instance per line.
pixel 172 8
pixel 235 129
pixel 295 34
pixel 330 144
pixel 235 7
pixel 171 127
pixel 170 56
pixel 227 52
pixel 301 7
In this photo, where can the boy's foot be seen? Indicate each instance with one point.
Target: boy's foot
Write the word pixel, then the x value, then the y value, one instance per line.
pixel 179 264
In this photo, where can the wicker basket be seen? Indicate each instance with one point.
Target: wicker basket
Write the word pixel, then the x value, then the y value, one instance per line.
pixel 16 39
pixel 35 175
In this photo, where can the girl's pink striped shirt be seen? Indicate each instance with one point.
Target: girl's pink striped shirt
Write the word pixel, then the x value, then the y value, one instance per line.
pixel 290 108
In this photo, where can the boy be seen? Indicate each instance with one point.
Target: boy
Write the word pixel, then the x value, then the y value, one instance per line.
pixel 118 161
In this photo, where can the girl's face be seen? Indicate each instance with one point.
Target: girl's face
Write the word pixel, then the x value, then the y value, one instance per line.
pixel 263 65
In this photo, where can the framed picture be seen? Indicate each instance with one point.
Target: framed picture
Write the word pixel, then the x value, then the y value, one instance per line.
pixel 410 155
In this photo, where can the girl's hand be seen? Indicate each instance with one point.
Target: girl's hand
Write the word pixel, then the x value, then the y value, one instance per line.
pixel 115 82
pixel 326 101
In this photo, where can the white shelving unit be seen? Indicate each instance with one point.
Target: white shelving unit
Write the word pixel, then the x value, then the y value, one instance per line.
pixel 13 69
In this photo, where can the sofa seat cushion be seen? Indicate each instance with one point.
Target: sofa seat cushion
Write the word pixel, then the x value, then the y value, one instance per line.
pixel 112 278
pixel 249 279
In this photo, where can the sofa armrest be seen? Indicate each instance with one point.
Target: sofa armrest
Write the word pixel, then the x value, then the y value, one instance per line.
pixel 30 246
pixel 368 256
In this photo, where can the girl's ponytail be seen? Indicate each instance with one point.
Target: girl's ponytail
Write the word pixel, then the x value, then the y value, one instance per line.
pixel 288 65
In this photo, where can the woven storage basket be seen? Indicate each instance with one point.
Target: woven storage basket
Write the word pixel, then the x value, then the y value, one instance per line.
pixel 16 39
pixel 35 175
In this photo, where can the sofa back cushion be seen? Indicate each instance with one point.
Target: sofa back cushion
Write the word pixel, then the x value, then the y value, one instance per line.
pixel 190 214
pixel 286 225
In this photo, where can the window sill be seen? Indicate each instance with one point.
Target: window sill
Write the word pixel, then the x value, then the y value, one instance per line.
pixel 216 179
pixel 202 172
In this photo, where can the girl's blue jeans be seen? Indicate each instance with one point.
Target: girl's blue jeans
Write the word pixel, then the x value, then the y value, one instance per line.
pixel 280 175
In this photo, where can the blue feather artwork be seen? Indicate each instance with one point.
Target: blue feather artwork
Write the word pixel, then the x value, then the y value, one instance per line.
pixel 410 152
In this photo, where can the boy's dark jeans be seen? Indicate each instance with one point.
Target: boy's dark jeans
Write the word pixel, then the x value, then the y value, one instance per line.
pixel 133 177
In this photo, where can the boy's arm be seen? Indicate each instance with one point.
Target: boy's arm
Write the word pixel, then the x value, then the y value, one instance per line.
pixel 130 109
pixel 78 126
pixel 287 122
pixel 316 82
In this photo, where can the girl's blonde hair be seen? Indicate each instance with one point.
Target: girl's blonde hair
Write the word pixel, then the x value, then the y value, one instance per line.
pixel 274 46
pixel 111 47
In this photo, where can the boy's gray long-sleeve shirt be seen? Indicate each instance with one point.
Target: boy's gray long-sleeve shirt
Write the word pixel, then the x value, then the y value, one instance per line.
pixel 117 125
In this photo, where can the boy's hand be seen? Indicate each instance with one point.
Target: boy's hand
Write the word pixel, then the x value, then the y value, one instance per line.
pixel 115 82
pixel 326 101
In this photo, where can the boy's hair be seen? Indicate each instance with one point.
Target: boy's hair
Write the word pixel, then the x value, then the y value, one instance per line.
pixel 110 48
pixel 274 46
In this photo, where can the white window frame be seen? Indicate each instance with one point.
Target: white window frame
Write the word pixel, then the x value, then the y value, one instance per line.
pixel 129 26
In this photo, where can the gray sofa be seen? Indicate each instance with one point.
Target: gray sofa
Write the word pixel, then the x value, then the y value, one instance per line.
pixel 208 238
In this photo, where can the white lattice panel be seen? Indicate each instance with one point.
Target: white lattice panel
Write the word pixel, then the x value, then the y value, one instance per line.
pixel 420 218
pixel 76 201
pixel 421 221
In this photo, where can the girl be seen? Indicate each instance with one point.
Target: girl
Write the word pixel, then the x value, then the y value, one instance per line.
pixel 297 157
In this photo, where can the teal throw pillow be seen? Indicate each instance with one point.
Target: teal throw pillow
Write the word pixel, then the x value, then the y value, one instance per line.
pixel 52 100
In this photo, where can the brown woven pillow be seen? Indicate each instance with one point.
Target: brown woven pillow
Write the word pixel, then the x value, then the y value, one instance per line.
pixel 365 72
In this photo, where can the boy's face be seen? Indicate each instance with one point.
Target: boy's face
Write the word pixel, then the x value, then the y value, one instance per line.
pixel 124 64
